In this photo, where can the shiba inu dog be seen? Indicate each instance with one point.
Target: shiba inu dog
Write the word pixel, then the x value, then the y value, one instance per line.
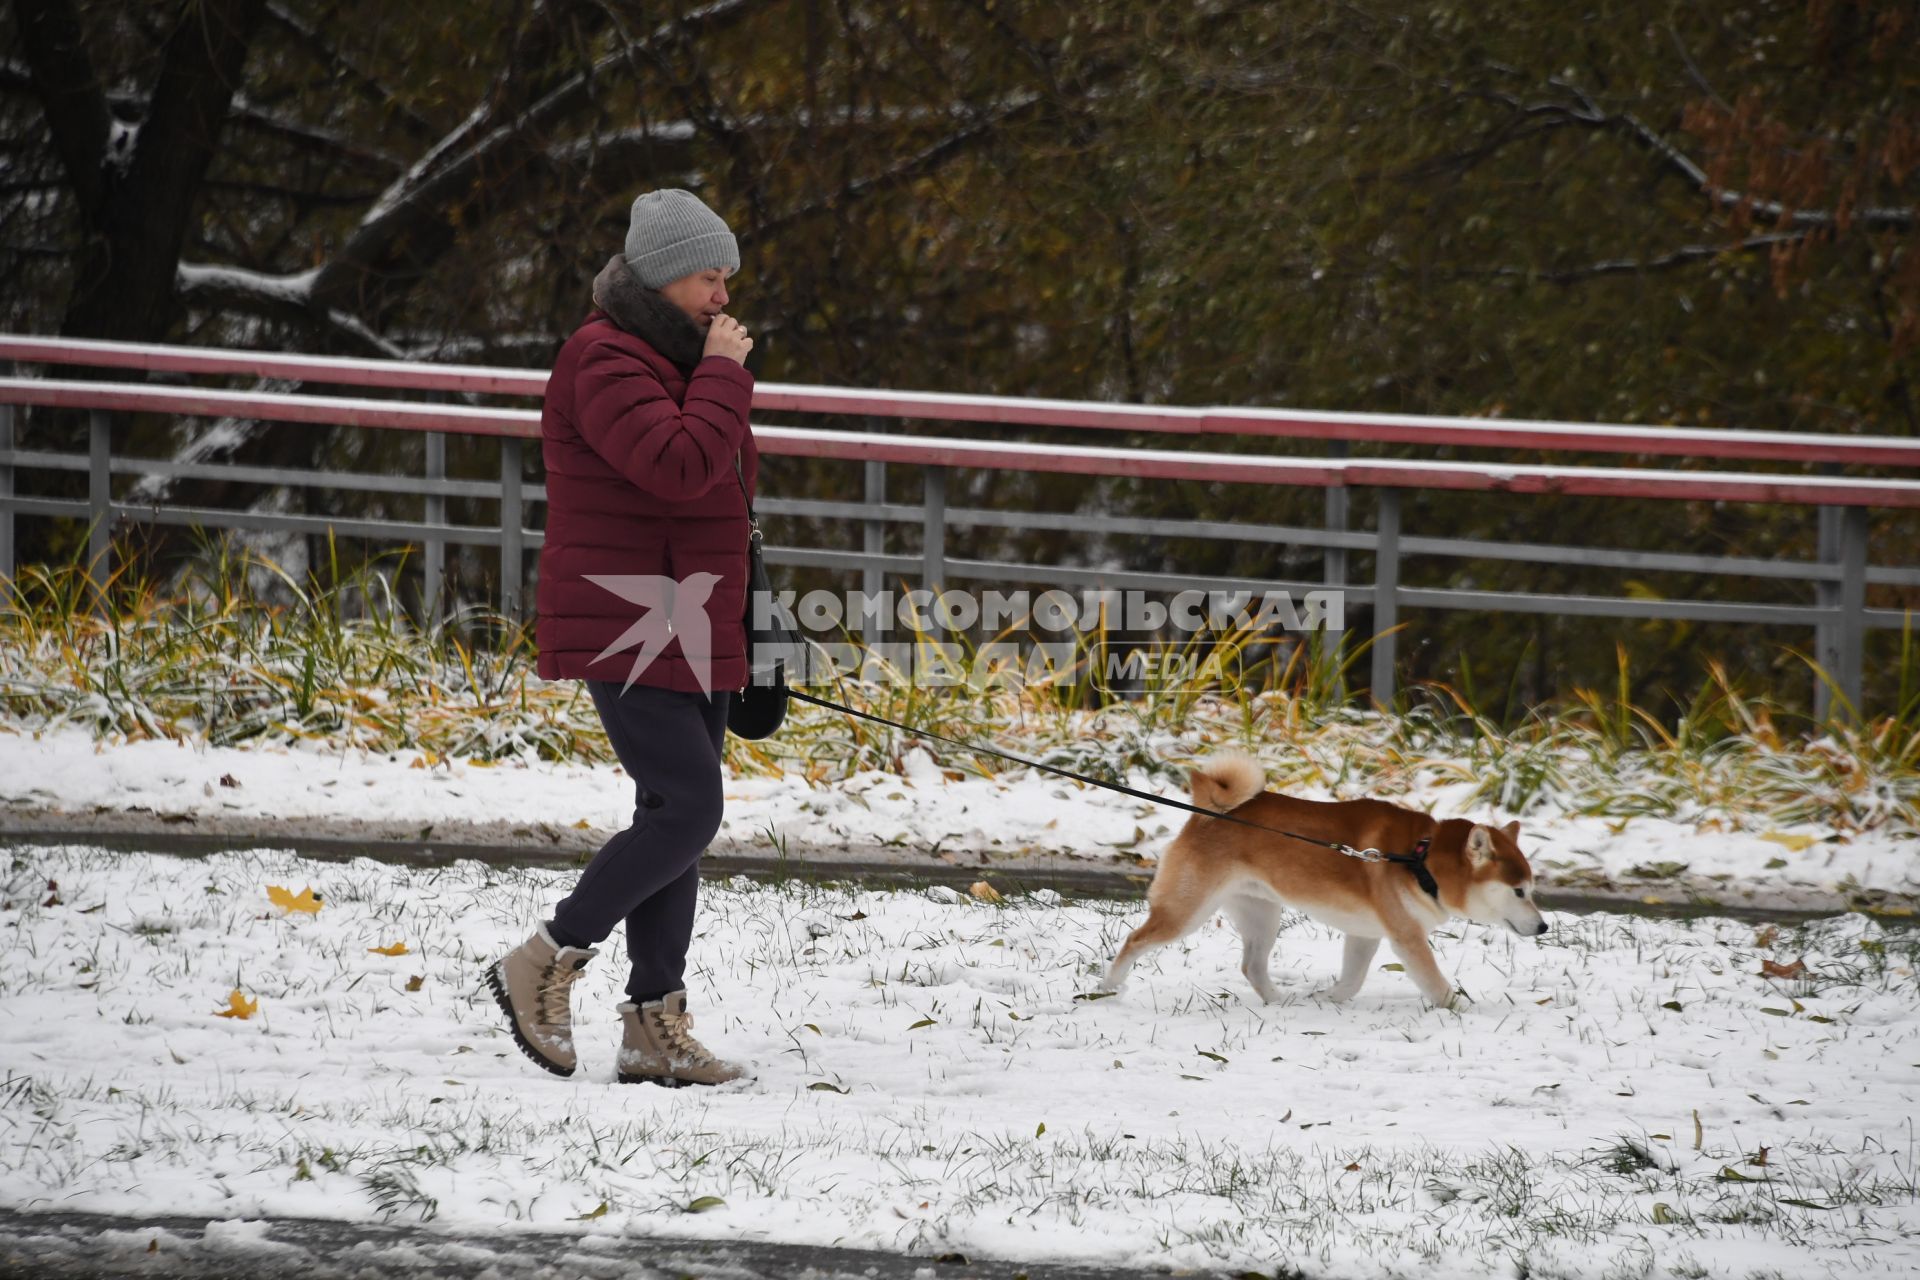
pixel 1252 875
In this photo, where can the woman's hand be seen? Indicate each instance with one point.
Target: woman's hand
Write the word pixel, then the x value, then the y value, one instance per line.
pixel 728 337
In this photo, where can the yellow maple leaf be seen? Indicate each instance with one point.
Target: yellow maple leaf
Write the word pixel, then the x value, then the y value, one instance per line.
pixel 238 1006
pixel 1790 841
pixel 306 900
pixel 397 949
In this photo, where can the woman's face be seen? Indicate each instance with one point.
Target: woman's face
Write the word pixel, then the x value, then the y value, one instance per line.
pixel 702 295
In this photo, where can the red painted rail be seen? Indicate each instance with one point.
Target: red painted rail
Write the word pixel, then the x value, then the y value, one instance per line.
pixel 1482 433
pixel 1158 464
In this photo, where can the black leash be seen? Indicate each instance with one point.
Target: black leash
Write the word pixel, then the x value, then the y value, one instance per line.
pixel 1415 861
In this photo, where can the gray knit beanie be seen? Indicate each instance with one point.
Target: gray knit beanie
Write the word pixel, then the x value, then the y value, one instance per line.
pixel 673 234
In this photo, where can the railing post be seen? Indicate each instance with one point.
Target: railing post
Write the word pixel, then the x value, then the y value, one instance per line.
pixel 433 567
pixel 100 500
pixel 1386 595
pixel 1339 503
pixel 934 530
pixel 6 494
pixel 1827 645
pixel 1853 606
pixel 873 542
pixel 512 523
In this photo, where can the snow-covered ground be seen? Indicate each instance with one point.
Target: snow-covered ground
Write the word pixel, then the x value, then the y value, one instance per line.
pixel 925 812
pixel 1620 1097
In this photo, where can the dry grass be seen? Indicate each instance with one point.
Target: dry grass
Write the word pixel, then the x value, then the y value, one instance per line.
pixel 208 659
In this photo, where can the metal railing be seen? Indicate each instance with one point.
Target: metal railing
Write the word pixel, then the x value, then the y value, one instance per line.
pixel 1839 576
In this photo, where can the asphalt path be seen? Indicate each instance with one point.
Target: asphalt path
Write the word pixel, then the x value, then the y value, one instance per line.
pixel 86 1246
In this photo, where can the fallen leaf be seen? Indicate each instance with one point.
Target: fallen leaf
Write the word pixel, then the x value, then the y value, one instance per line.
pixel 984 891
pixel 238 1006
pixel 228 780
pixel 1788 841
pixel 591 1214
pixel 1661 1212
pixel 583 825
pixel 705 1203
pixel 1760 1158
pixel 414 983
pixel 397 949
pixel 1773 969
pixel 306 900
pixel 924 1022
pixel 821 1086
pixel 1766 937
pixel 1354 1167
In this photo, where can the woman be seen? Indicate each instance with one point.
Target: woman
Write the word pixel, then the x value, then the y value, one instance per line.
pixel 649 464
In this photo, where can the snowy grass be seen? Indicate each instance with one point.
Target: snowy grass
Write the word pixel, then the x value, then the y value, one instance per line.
pixel 1621 1097
pixel 342 666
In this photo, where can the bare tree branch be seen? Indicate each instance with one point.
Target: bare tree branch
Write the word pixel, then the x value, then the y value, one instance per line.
pixel 271 124
pixel 1683 257
pixel 328 54
pixel 481 166
pixel 1588 113
pixel 918 165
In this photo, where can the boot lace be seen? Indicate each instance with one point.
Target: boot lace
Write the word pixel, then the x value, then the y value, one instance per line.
pixel 555 999
pixel 677 1030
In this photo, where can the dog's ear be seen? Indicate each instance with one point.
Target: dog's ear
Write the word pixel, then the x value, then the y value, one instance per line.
pixel 1479 845
pixel 1512 830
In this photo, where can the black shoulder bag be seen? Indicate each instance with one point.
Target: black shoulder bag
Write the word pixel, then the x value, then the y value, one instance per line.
pixel 772 645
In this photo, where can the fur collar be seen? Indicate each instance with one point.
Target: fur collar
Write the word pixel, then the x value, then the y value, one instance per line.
pixel 647 315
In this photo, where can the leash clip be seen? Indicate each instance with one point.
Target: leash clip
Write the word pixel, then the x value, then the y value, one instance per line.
pixel 1365 855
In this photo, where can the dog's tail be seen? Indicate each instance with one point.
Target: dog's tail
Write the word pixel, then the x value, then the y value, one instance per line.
pixel 1226 781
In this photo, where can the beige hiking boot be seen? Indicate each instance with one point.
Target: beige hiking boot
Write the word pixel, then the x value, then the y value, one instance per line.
pixel 659 1048
pixel 533 988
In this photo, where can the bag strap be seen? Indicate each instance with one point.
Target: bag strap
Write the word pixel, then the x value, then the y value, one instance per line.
pixel 753 521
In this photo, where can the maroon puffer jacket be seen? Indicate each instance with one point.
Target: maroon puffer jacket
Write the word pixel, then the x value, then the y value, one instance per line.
pixel 640 480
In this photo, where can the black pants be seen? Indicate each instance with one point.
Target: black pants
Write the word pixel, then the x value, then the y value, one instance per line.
pixel 649 875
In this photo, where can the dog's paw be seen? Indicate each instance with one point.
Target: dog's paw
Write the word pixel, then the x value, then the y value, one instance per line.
pixel 1338 994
